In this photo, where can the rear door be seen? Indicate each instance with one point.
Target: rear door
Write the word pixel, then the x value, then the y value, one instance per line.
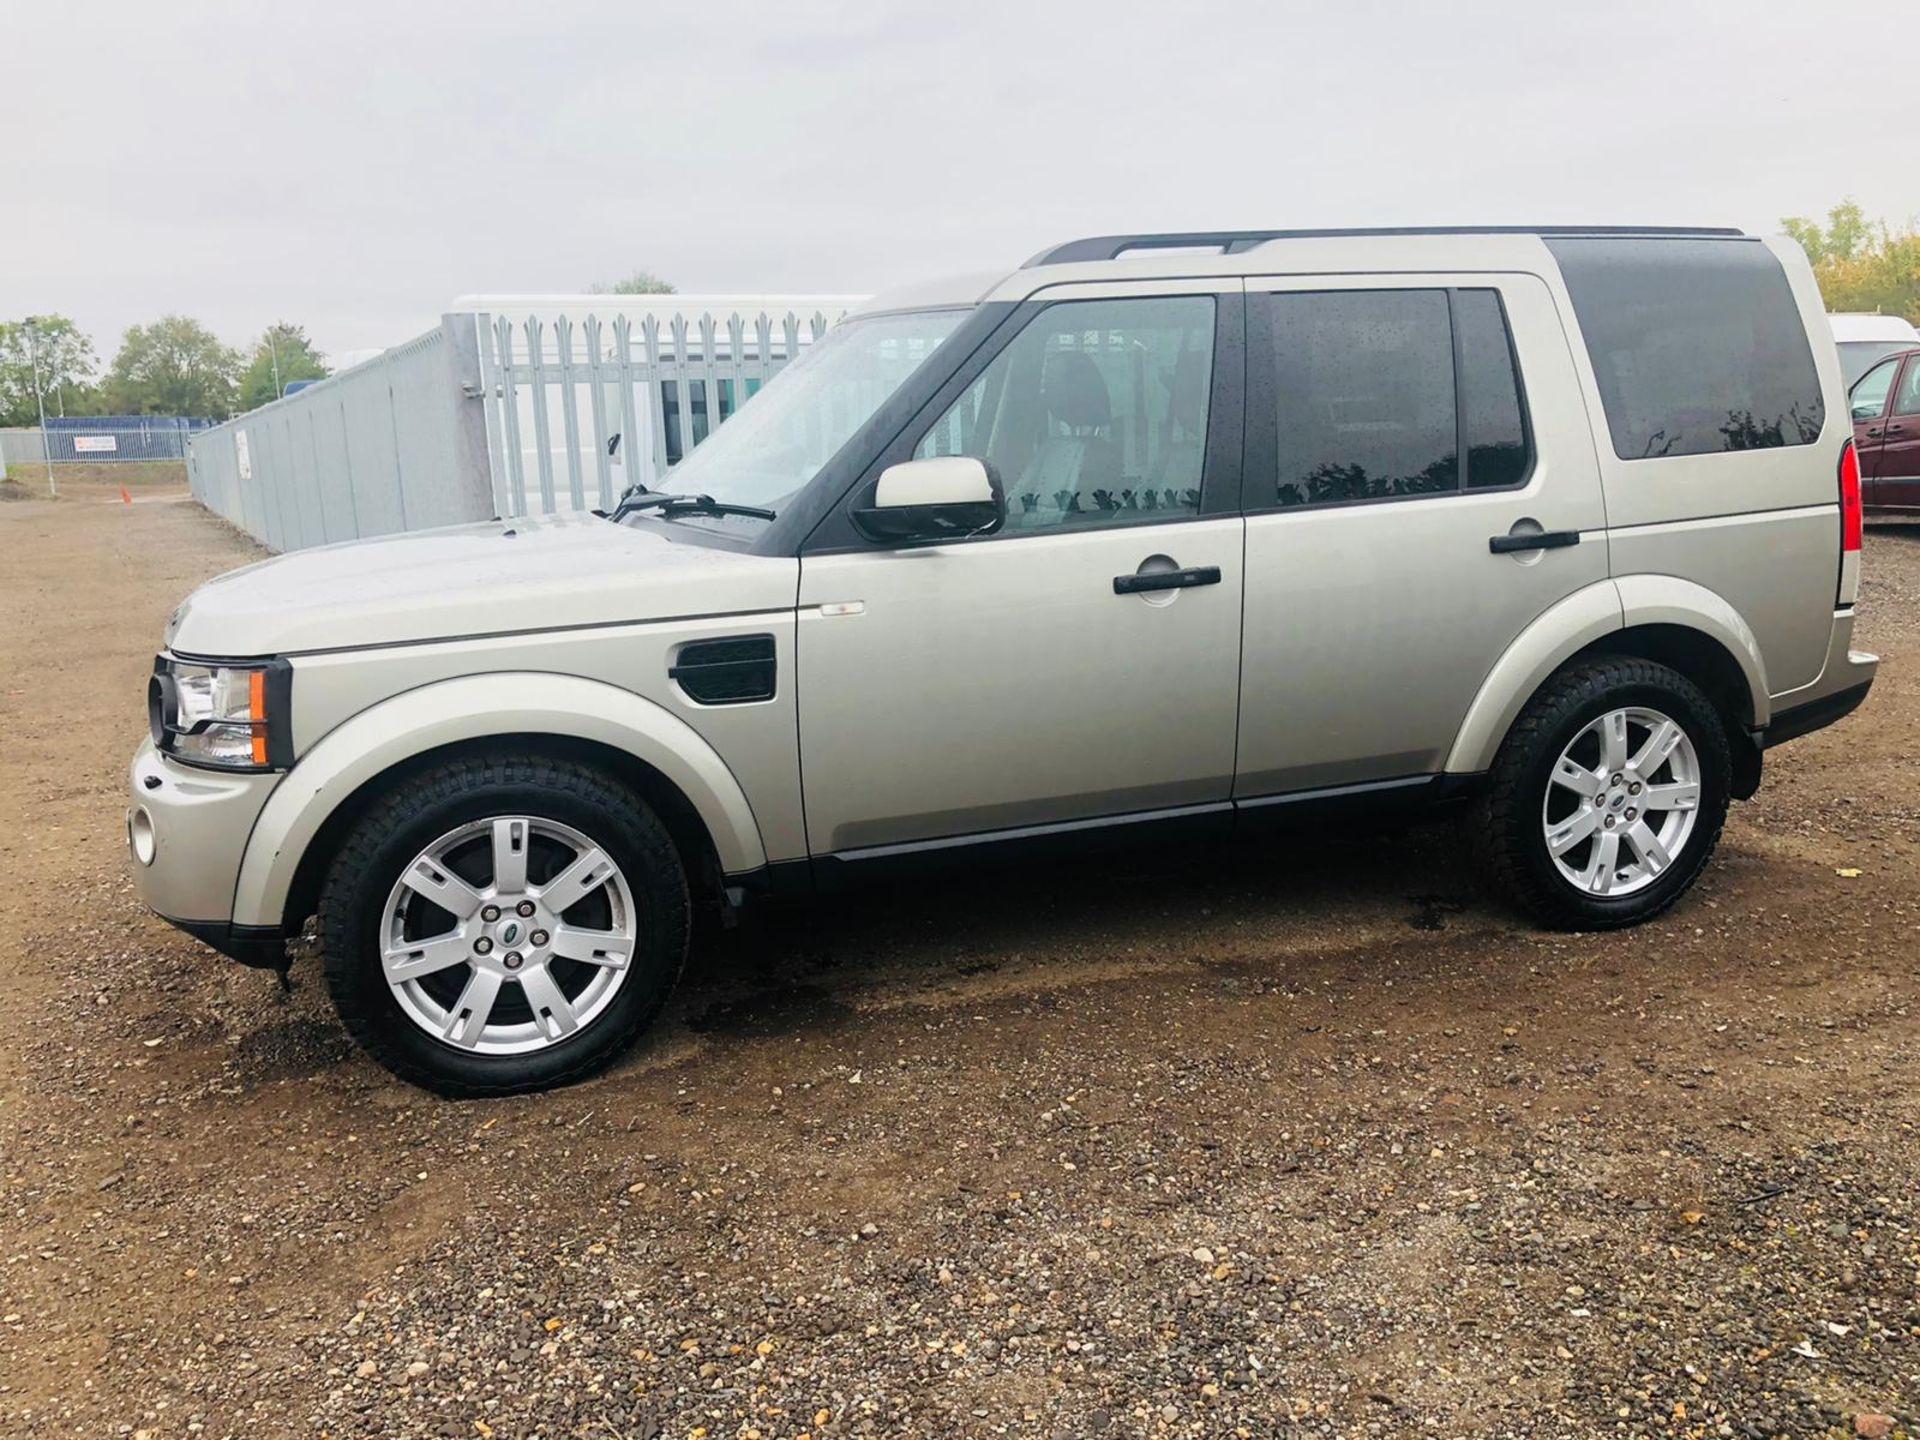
pixel 1896 482
pixel 1400 428
pixel 1871 395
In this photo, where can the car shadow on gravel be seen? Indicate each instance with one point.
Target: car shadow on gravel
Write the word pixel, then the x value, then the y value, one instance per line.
pixel 294 1047
pixel 801 966
pixel 1901 531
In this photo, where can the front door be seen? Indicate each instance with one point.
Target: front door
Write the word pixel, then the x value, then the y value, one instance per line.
pixel 1896 484
pixel 1006 681
pixel 1869 398
pixel 1420 487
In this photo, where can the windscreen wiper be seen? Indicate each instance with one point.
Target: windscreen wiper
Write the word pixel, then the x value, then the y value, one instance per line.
pixel 637 499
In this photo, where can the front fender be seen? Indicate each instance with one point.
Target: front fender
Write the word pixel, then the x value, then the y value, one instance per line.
pixel 476 707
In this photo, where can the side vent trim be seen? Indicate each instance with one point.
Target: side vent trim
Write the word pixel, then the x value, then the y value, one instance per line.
pixel 738 670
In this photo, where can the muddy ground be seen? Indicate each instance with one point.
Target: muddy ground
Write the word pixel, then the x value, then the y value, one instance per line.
pixel 1306 1141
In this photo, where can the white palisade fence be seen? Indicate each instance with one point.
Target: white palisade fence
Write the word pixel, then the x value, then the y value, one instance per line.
pixel 515 405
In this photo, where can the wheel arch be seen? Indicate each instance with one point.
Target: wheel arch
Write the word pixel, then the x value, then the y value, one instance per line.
pixel 641 744
pixel 1656 617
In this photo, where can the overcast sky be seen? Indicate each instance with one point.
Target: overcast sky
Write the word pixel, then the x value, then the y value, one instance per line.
pixel 353 166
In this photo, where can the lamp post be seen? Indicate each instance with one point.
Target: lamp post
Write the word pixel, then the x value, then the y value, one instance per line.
pixel 40 402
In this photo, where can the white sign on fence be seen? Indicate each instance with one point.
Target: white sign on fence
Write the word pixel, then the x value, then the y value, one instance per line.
pixel 241 458
pixel 95 444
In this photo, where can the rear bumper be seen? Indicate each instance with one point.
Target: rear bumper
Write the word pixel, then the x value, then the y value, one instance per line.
pixel 1843 684
pixel 1800 720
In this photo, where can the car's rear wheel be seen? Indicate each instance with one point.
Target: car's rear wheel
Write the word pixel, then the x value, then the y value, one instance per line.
pixel 1608 795
pixel 503 923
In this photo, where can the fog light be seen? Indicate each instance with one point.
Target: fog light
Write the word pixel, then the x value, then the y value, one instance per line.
pixel 140 837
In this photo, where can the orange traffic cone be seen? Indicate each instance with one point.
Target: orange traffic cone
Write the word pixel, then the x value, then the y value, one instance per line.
pixel 125 498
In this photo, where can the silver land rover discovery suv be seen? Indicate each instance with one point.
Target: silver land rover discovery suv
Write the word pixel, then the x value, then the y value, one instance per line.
pixel 1155 533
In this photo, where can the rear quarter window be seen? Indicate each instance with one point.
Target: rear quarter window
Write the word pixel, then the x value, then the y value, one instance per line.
pixel 1697 345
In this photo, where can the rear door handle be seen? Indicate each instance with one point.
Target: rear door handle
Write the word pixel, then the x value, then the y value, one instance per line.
pixel 1167 580
pixel 1543 540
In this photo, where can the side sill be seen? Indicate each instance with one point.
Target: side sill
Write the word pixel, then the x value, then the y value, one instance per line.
pixel 1183 825
pixel 1353 803
pixel 1179 826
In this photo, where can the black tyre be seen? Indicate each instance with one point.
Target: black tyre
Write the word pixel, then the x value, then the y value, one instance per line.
pixel 503 923
pixel 1607 796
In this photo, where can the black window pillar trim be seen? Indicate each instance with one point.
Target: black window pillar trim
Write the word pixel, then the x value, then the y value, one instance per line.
pixel 1220 479
pixel 1460 482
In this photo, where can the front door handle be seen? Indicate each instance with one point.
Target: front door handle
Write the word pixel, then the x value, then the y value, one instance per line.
pixel 1896 429
pixel 1167 580
pixel 1539 540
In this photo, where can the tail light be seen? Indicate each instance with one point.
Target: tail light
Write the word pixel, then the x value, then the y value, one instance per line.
pixel 1849 500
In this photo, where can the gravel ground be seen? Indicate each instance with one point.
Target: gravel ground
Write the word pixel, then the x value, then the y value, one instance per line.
pixel 1307 1141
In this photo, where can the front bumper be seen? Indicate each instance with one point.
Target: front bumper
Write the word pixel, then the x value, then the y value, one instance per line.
pixel 187 830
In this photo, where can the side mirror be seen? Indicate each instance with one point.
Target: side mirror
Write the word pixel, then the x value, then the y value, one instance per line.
pixel 946 498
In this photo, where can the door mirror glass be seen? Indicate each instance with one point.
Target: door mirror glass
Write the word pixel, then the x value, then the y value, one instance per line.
pixel 946 498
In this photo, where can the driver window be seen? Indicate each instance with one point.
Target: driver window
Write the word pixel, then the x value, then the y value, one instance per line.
pixel 1870 390
pixel 1096 413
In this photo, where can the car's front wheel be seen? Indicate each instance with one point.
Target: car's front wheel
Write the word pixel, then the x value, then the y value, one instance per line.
pixel 1607 796
pixel 503 923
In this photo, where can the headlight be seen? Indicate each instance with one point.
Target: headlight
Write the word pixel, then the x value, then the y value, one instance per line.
pixel 235 717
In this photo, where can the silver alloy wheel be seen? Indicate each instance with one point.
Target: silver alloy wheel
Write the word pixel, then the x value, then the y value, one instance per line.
pixel 513 974
pixel 1622 801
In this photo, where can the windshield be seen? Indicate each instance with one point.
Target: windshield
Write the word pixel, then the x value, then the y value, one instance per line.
pixel 778 441
pixel 1858 356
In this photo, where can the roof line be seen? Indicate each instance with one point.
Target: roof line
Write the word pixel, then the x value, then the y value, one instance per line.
pixel 1233 242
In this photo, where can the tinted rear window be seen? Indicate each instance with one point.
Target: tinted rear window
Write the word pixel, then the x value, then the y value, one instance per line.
pixel 1376 392
pixel 1365 395
pixel 1697 345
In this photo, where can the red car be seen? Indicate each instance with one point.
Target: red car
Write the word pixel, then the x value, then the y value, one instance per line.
pixel 1886 432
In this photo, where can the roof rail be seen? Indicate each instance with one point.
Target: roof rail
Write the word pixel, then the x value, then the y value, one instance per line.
pixel 1233 242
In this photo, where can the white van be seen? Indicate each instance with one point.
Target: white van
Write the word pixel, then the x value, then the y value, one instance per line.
pixel 1864 339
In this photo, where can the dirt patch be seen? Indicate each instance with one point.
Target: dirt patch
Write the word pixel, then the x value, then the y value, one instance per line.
pixel 1305 1140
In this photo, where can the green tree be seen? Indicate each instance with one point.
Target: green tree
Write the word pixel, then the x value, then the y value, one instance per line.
pixel 65 365
pixel 640 282
pixel 1841 238
pixel 1862 265
pixel 283 351
pixel 175 366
